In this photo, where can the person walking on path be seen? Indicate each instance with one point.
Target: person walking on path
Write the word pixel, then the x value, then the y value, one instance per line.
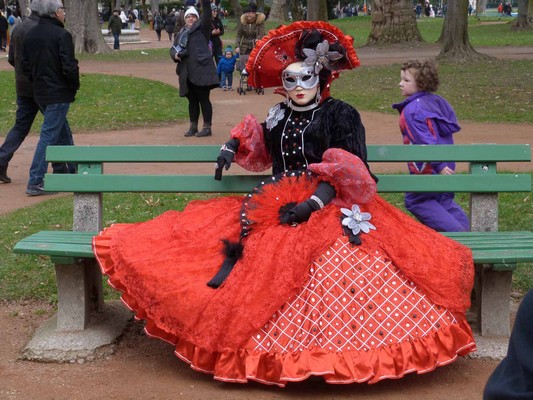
pixel 27 108
pixel 48 59
pixel 195 68
pixel 158 25
pixel 169 24
pixel 115 27
pixel 426 118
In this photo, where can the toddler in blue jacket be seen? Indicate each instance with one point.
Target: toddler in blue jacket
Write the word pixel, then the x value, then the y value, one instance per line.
pixel 226 66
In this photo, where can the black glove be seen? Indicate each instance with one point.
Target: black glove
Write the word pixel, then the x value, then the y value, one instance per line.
pixel 225 157
pixel 301 212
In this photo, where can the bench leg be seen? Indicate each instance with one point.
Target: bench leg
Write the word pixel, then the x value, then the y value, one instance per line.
pixel 84 328
pixel 79 288
pixel 493 300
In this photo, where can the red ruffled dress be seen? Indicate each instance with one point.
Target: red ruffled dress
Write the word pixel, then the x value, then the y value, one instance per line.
pixel 302 300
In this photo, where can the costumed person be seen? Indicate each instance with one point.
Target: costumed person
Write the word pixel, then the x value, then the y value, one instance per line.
pixel 311 273
pixel 195 68
pixel 427 118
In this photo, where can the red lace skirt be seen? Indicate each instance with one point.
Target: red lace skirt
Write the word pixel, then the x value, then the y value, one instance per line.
pixel 357 319
pixel 302 301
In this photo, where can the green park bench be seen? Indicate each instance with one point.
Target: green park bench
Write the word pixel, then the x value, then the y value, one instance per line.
pixel 79 280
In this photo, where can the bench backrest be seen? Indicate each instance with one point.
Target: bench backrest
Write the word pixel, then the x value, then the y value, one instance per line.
pixel 482 181
pixel 483 177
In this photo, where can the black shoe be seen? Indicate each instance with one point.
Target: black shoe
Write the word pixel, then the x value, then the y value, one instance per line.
pixel 191 132
pixel 204 132
pixel 3 175
pixel 37 190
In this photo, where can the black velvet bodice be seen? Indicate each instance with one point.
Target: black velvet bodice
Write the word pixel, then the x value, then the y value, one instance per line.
pixel 298 139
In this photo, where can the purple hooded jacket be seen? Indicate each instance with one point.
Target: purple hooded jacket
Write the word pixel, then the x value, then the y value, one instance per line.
pixel 427 118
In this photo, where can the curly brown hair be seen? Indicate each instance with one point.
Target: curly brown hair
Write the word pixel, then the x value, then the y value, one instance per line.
pixel 426 74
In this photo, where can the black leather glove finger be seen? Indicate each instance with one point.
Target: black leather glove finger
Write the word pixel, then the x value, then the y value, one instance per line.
pixel 224 159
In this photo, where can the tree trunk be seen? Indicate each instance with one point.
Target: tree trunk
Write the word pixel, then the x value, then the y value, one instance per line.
pixel 260 5
pixel 23 8
pixel 317 10
pixel 237 9
pixel 154 6
pixel 145 13
pixel 521 21
pixel 530 11
pixel 278 11
pixel 455 44
pixel 393 21
pixel 481 6
pixel 84 25
pixel 297 11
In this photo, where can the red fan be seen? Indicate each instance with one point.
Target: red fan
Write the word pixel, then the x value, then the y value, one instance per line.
pixel 261 208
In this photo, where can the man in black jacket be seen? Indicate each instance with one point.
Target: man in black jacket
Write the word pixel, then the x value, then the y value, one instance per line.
pixel 48 59
pixel 27 108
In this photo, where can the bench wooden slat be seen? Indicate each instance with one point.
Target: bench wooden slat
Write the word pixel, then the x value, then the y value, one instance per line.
pixel 209 153
pixel 55 249
pixel 243 183
pixel 78 244
pixel 498 234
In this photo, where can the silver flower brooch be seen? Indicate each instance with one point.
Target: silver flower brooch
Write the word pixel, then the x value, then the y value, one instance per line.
pixel 356 220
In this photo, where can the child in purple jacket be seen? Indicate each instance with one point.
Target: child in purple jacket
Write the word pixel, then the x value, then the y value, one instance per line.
pixel 426 118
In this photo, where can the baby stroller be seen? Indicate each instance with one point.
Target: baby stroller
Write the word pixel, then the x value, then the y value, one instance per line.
pixel 243 81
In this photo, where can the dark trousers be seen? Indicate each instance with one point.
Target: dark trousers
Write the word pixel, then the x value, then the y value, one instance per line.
pixel 116 43
pixel 27 109
pixel 198 97
pixel 226 79
pixel 513 377
pixel 55 130
pixel 3 39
